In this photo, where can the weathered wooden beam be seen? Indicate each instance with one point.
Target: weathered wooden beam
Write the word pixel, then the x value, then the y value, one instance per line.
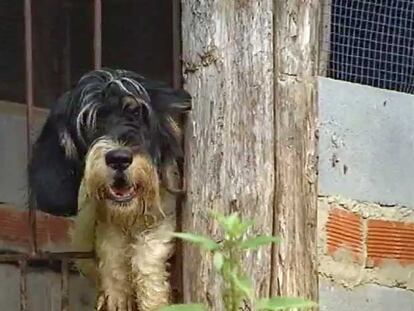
pixel 228 68
pixel 296 51
pixel 325 37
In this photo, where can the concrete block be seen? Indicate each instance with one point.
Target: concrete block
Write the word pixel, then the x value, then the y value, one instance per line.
pixel 366 143
pixel 364 298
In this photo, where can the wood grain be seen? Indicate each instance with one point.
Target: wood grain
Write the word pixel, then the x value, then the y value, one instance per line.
pixel 228 67
pixel 251 67
pixel 296 27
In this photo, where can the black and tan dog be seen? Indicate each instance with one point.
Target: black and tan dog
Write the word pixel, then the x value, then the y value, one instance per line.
pixel 104 155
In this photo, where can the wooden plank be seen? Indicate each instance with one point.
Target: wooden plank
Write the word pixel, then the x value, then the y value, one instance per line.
pixel 325 37
pixel 228 67
pixel 296 27
pixel 52 232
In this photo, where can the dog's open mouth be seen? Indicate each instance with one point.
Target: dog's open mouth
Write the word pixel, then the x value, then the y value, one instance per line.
pixel 121 194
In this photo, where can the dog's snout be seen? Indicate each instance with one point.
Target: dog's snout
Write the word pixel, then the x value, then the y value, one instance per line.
pixel 118 159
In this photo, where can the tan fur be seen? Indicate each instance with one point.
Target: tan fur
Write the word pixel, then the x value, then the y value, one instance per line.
pixel 132 243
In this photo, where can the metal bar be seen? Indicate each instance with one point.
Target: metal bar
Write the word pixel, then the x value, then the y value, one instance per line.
pixel 97 34
pixel 30 111
pixel 23 285
pixel 67 78
pixel 65 285
pixel 176 44
pixel 45 256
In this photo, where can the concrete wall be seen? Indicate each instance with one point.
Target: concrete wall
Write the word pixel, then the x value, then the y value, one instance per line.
pixel 366 169
pixel 366 145
pixel 13 151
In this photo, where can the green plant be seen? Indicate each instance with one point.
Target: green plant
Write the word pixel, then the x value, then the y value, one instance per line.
pixel 237 286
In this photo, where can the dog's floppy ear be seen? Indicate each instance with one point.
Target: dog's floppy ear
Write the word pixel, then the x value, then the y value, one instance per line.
pixel 167 104
pixel 54 170
pixel 169 100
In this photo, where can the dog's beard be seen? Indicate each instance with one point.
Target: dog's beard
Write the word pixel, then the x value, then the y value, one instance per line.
pixel 122 198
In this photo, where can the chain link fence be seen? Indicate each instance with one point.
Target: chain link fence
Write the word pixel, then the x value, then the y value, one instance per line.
pixel 370 42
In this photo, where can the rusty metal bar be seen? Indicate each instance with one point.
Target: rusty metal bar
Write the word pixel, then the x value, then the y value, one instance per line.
pixel 97 34
pixel 67 78
pixel 23 285
pixel 45 256
pixel 65 285
pixel 28 39
pixel 176 44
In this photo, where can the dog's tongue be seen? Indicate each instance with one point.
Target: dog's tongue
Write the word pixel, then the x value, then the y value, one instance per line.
pixel 121 191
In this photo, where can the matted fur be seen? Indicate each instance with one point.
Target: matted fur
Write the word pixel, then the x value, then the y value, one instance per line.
pixel 122 209
pixel 132 242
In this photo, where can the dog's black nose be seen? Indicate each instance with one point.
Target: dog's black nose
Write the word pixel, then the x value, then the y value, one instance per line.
pixel 118 159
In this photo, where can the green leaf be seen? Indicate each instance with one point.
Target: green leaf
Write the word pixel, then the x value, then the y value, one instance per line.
pixel 242 227
pixel 203 242
pixel 244 284
pixel 283 303
pixel 218 260
pixel 219 217
pixel 184 307
pixel 231 222
pixel 258 241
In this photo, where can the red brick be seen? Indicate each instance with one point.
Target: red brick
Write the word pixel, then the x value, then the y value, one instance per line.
pixel 390 240
pixel 51 231
pixel 344 232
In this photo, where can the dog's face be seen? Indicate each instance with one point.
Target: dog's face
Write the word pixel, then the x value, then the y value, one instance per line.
pixel 122 177
pixel 129 136
pixel 115 126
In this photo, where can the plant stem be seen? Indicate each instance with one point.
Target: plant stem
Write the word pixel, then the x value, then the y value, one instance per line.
pixel 233 265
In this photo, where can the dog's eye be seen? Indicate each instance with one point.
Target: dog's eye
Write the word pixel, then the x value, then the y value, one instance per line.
pixel 136 112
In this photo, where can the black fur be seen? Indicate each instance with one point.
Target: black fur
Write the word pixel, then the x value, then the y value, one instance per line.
pixel 92 109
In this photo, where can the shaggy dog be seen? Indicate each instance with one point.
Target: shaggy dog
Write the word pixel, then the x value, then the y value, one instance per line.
pixel 108 153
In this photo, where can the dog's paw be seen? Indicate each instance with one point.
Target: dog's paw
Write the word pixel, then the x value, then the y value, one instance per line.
pixel 115 302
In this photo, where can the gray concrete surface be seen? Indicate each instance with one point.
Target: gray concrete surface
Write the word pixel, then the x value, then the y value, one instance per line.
pixel 13 152
pixel 366 145
pixel 364 298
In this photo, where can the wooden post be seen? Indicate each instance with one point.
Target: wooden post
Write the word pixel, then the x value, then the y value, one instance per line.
pixel 250 144
pixel 325 37
pixel 228 68
pixel 296 50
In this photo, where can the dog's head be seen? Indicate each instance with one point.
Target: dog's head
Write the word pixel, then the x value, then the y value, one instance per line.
pixel 122 125
pixel 127 127
pixel 125 107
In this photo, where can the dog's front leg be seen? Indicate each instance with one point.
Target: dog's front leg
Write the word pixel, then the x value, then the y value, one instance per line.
pixel 112 252
pixel 150 253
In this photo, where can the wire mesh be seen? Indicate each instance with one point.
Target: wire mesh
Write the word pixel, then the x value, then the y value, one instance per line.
pixel 371 42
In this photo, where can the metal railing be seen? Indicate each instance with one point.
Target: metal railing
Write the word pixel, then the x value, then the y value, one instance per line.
pixel 34 254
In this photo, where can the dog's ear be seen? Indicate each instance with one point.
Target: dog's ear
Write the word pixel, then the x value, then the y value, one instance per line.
pixel 54 168
pixel 170 101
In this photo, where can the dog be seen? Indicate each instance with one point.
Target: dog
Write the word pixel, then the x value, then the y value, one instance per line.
pixel 108 154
